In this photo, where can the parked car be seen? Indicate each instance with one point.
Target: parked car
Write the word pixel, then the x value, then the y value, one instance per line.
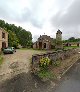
pixel 13 49
pixel 9 50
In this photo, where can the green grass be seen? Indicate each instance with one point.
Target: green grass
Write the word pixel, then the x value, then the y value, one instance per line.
pixel 26 49
pixel 1 60
pixel 71 47
pixel 46 74
pixel 33 49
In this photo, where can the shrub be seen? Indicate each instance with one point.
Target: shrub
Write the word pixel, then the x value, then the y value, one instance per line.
pixel 44 62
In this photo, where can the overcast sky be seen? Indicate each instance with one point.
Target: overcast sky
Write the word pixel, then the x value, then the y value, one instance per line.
pixel 43 16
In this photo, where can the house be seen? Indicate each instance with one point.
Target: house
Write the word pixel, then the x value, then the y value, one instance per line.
pixel 46 42
pixel 72 44
pixel 3 39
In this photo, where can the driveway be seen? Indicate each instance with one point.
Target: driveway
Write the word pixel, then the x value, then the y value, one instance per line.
pixel 16 63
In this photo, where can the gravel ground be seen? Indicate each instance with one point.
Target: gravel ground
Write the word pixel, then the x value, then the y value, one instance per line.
pixel 16 63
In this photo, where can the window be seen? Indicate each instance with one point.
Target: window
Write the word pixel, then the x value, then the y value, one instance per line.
pixel 3 35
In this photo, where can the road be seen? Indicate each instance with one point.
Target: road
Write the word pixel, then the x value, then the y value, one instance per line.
pixel 71 81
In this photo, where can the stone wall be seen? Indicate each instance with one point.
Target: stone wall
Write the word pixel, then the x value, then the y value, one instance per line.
pixel 3 39
pixel 53 56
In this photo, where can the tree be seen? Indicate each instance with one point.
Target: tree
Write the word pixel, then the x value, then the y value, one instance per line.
pixel 24 37
pixel 13 40
pixel 72 39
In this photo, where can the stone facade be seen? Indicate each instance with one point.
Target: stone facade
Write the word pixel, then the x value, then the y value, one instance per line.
pixel 46 42
pixel 59 44
pixel 3 39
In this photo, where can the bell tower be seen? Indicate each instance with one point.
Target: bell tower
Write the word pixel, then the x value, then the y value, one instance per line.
pixel 59 44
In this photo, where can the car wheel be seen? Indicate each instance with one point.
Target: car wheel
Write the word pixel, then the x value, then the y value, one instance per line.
pixel 11 52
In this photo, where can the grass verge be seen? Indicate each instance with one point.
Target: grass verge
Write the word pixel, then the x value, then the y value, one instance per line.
pixel 46 74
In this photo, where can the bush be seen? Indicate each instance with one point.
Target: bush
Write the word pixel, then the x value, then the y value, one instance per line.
pixel 44 62
pixel 44 72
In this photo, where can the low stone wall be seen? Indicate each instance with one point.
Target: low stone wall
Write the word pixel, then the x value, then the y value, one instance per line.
pixel 53 56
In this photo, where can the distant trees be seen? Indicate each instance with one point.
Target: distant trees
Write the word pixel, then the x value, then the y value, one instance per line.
pixel 72 39
pixel 17 35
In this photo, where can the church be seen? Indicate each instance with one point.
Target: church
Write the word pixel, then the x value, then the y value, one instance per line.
pixel 47 43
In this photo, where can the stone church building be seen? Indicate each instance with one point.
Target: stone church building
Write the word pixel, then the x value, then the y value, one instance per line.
pixel 46 42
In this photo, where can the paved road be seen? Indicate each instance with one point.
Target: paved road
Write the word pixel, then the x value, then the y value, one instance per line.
pixel 25 82
pixel 71 82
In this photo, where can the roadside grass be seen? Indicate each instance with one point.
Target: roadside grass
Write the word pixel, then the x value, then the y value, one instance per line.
pixel 46 74
pixel 1 59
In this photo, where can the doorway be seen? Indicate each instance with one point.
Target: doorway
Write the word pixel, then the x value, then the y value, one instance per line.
pixel 3 45
pixel 40 45
pixel 44 45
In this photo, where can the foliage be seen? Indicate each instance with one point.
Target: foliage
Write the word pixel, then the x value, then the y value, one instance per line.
pixel 44 71
pixel 44 62
pixel 46 74
pixel 72 39
pixel 24 37
pixel 12 39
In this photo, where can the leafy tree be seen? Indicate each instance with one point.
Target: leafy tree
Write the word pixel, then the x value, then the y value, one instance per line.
pixel 24 37
pixel 13 40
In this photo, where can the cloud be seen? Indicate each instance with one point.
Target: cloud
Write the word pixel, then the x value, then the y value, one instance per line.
pixel 68 17
pixel 32 14
pixel 37 16
pixel 69 20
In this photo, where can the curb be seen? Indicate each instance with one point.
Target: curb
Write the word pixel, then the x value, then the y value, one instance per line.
pixel 69 67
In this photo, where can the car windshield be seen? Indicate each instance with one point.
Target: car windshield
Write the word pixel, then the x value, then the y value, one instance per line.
pixel 8 48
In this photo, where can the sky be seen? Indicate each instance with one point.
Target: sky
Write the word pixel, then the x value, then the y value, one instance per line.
pixel 43 16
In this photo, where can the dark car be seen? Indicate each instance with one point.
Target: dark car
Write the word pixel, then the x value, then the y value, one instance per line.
pixel 9 50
